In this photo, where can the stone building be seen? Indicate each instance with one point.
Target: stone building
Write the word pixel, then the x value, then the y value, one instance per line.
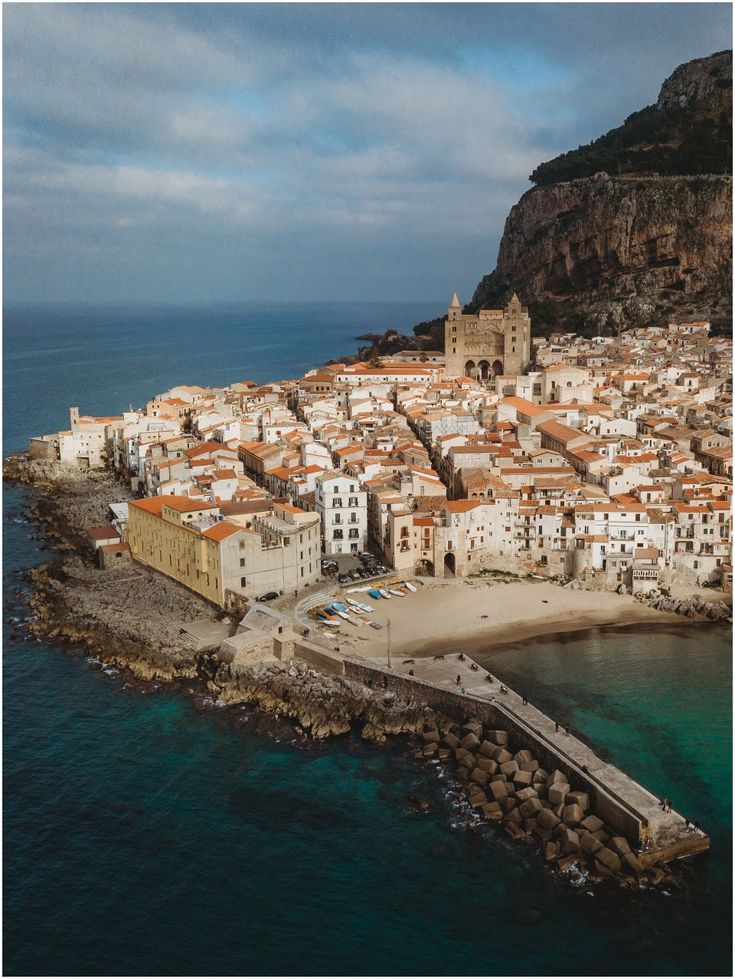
pixel 487 343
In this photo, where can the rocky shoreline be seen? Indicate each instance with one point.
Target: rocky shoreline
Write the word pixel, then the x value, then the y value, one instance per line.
pixel 128 619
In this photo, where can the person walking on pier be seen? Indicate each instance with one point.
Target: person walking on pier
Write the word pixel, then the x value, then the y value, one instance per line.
pixel 696 825
pixel 525 701
pixel 556 727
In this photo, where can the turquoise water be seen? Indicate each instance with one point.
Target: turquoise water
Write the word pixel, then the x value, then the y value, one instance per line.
pixel 143 834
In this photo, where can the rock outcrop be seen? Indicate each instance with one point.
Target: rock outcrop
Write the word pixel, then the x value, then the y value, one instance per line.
pixel 620 248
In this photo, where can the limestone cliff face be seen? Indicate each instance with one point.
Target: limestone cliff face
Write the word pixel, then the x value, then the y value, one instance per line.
pixel 622 249
pixel 607 241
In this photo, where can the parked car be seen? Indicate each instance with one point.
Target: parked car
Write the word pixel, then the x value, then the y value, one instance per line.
pixel 343 579
pixel 268 597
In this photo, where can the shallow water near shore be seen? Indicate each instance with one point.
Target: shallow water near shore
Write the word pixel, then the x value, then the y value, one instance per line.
pixel 145 835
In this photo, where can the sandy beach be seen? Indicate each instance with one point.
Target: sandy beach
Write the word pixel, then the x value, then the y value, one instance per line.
pixel 475 615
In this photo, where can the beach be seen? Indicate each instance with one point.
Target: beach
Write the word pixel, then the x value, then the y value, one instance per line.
pixel 475 614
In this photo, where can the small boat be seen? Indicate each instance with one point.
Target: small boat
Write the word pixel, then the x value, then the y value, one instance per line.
pixel 376 625
pixel 384 593
pixel 367 608
pixel 410 586
pixel 338 606
pixel 374 593
pixel 398 592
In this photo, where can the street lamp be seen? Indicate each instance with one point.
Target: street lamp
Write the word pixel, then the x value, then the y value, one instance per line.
pixel 388 627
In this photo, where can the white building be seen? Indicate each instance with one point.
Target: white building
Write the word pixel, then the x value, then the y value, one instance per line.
pixel 342 507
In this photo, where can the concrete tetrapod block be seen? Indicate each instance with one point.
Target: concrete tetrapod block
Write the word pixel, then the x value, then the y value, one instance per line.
pixel 551 851
pixel 572 814
pixel 502 755
pixel 568 840
pixel 477 798
pixel 470 741
pixel 522 756
pixel 619 845
pixel 487 748
pixel 487 765
pixel 451 740
pixel 497 790
pixel 463 773
pixel 546 819
pixel 509 768
pixel 581 799
pixel 430 749
pixel 479 776
pixel 522 779
pixel 528 793
pixel 602 836
pixel 588 843
pixel 608 859
pixel 513 831
pixel 497 737
pixel 507 803
pixel 556 776
pixel 444 754
pixel 592 823
pixel 530 825
pixel 530 807
pixel 530 766
pixel 513 816
pixel 540 775
pixel 557 793
pixel 460 753
pixel 491 810
pixel 473 726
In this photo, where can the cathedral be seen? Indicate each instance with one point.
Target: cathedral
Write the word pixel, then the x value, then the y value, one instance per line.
pixel 490 342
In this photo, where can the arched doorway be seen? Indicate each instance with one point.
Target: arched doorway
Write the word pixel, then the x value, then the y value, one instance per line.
pixel 497 367
pixel 450 565
pixel 470 368
pixel 483 369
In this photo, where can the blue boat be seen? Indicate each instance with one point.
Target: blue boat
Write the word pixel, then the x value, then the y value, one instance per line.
pixel 374 593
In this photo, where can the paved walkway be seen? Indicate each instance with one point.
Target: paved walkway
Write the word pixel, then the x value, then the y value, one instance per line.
pixel 667 828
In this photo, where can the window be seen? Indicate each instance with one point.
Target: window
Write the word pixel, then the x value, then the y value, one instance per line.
pixel 243 582
pixel 338 518
pixel 354 534
pixel 286 541
pixel 337 535
pixel 242 562
pixel 352 501
pixel 338 502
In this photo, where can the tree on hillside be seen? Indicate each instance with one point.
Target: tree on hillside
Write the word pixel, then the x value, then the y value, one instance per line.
pixel 374 360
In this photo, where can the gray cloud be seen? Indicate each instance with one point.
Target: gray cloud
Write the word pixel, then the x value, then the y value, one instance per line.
pixel 205 152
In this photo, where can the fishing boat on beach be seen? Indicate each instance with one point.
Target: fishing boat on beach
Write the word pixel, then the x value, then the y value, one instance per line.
pixel 398 592
pixel 384 593
pixel 410 585
pixel 374 593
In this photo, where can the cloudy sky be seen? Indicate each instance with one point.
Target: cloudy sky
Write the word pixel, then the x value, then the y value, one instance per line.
pixel 228 152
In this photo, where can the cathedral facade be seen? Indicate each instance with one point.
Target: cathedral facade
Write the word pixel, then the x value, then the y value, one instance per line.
pixel 487 343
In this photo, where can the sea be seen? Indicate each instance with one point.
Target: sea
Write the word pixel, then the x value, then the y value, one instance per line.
pixel 149 833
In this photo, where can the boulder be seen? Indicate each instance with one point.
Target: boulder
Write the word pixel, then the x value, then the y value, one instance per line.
pixel 479 776
pixel 572 814
pixel 592 823
pixel 528 793
pixel 588 843
pixel 502 755
pixel 522 779
pixel 496 790
pixel 509 768
pixel 580 799
pixel 619 845
pixel 551 851
pixel 568 840
pixel 530 807
pixel 546 819
pixel 470 741
pixel 608 859
pixel 451 740
pixel 557 793
pixel 498 737
pixel 631 862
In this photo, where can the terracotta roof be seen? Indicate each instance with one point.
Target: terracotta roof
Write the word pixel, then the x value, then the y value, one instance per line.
pixel 103 533
pixel 220 531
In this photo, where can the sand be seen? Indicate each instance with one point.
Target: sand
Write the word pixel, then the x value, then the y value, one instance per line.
pixel 472 615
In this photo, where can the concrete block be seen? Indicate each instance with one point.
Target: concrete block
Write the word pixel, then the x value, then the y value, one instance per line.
pixel 551 851
pixel 522 779
pixel 463 773
pixel 498 737
pixel 460 753
pixel 496 790
pixel 451 740
pixel 507 803
pixel 619 845
pixel 572 814
pixel 502 755
pixel 588 843
pixel 430 749
pixel 509 768
pixel 592 823
pixel 540 775
pixel 602 836
pixel 478 776
pixel 530 766
pixel 487 765
pixel 568 840
pixel 556 776
pixel 547 819
pixel 513 815
pixel 487 748
pixel 581 799
pixel 529 793
pixel 473 726
pixel 513 831
pixel 557 792
pixel 608 859
pixel 477 798
pixel 530 807
pixel 470 741
pixel 492 811
pixel 522 756
pixel 431 737
pixel 631 862
pixel 530 825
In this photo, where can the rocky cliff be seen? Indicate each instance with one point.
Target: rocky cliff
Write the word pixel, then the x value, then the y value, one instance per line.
pixel 620 248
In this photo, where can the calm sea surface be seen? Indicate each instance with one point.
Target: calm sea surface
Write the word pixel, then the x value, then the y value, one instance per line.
pixel 144 835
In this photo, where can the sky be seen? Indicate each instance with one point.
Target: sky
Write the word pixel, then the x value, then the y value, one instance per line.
pixel 224 153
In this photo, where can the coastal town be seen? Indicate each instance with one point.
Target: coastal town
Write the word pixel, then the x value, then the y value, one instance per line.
pixel 605 462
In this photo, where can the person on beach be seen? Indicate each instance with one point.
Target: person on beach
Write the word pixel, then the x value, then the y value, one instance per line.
pixel 459 679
